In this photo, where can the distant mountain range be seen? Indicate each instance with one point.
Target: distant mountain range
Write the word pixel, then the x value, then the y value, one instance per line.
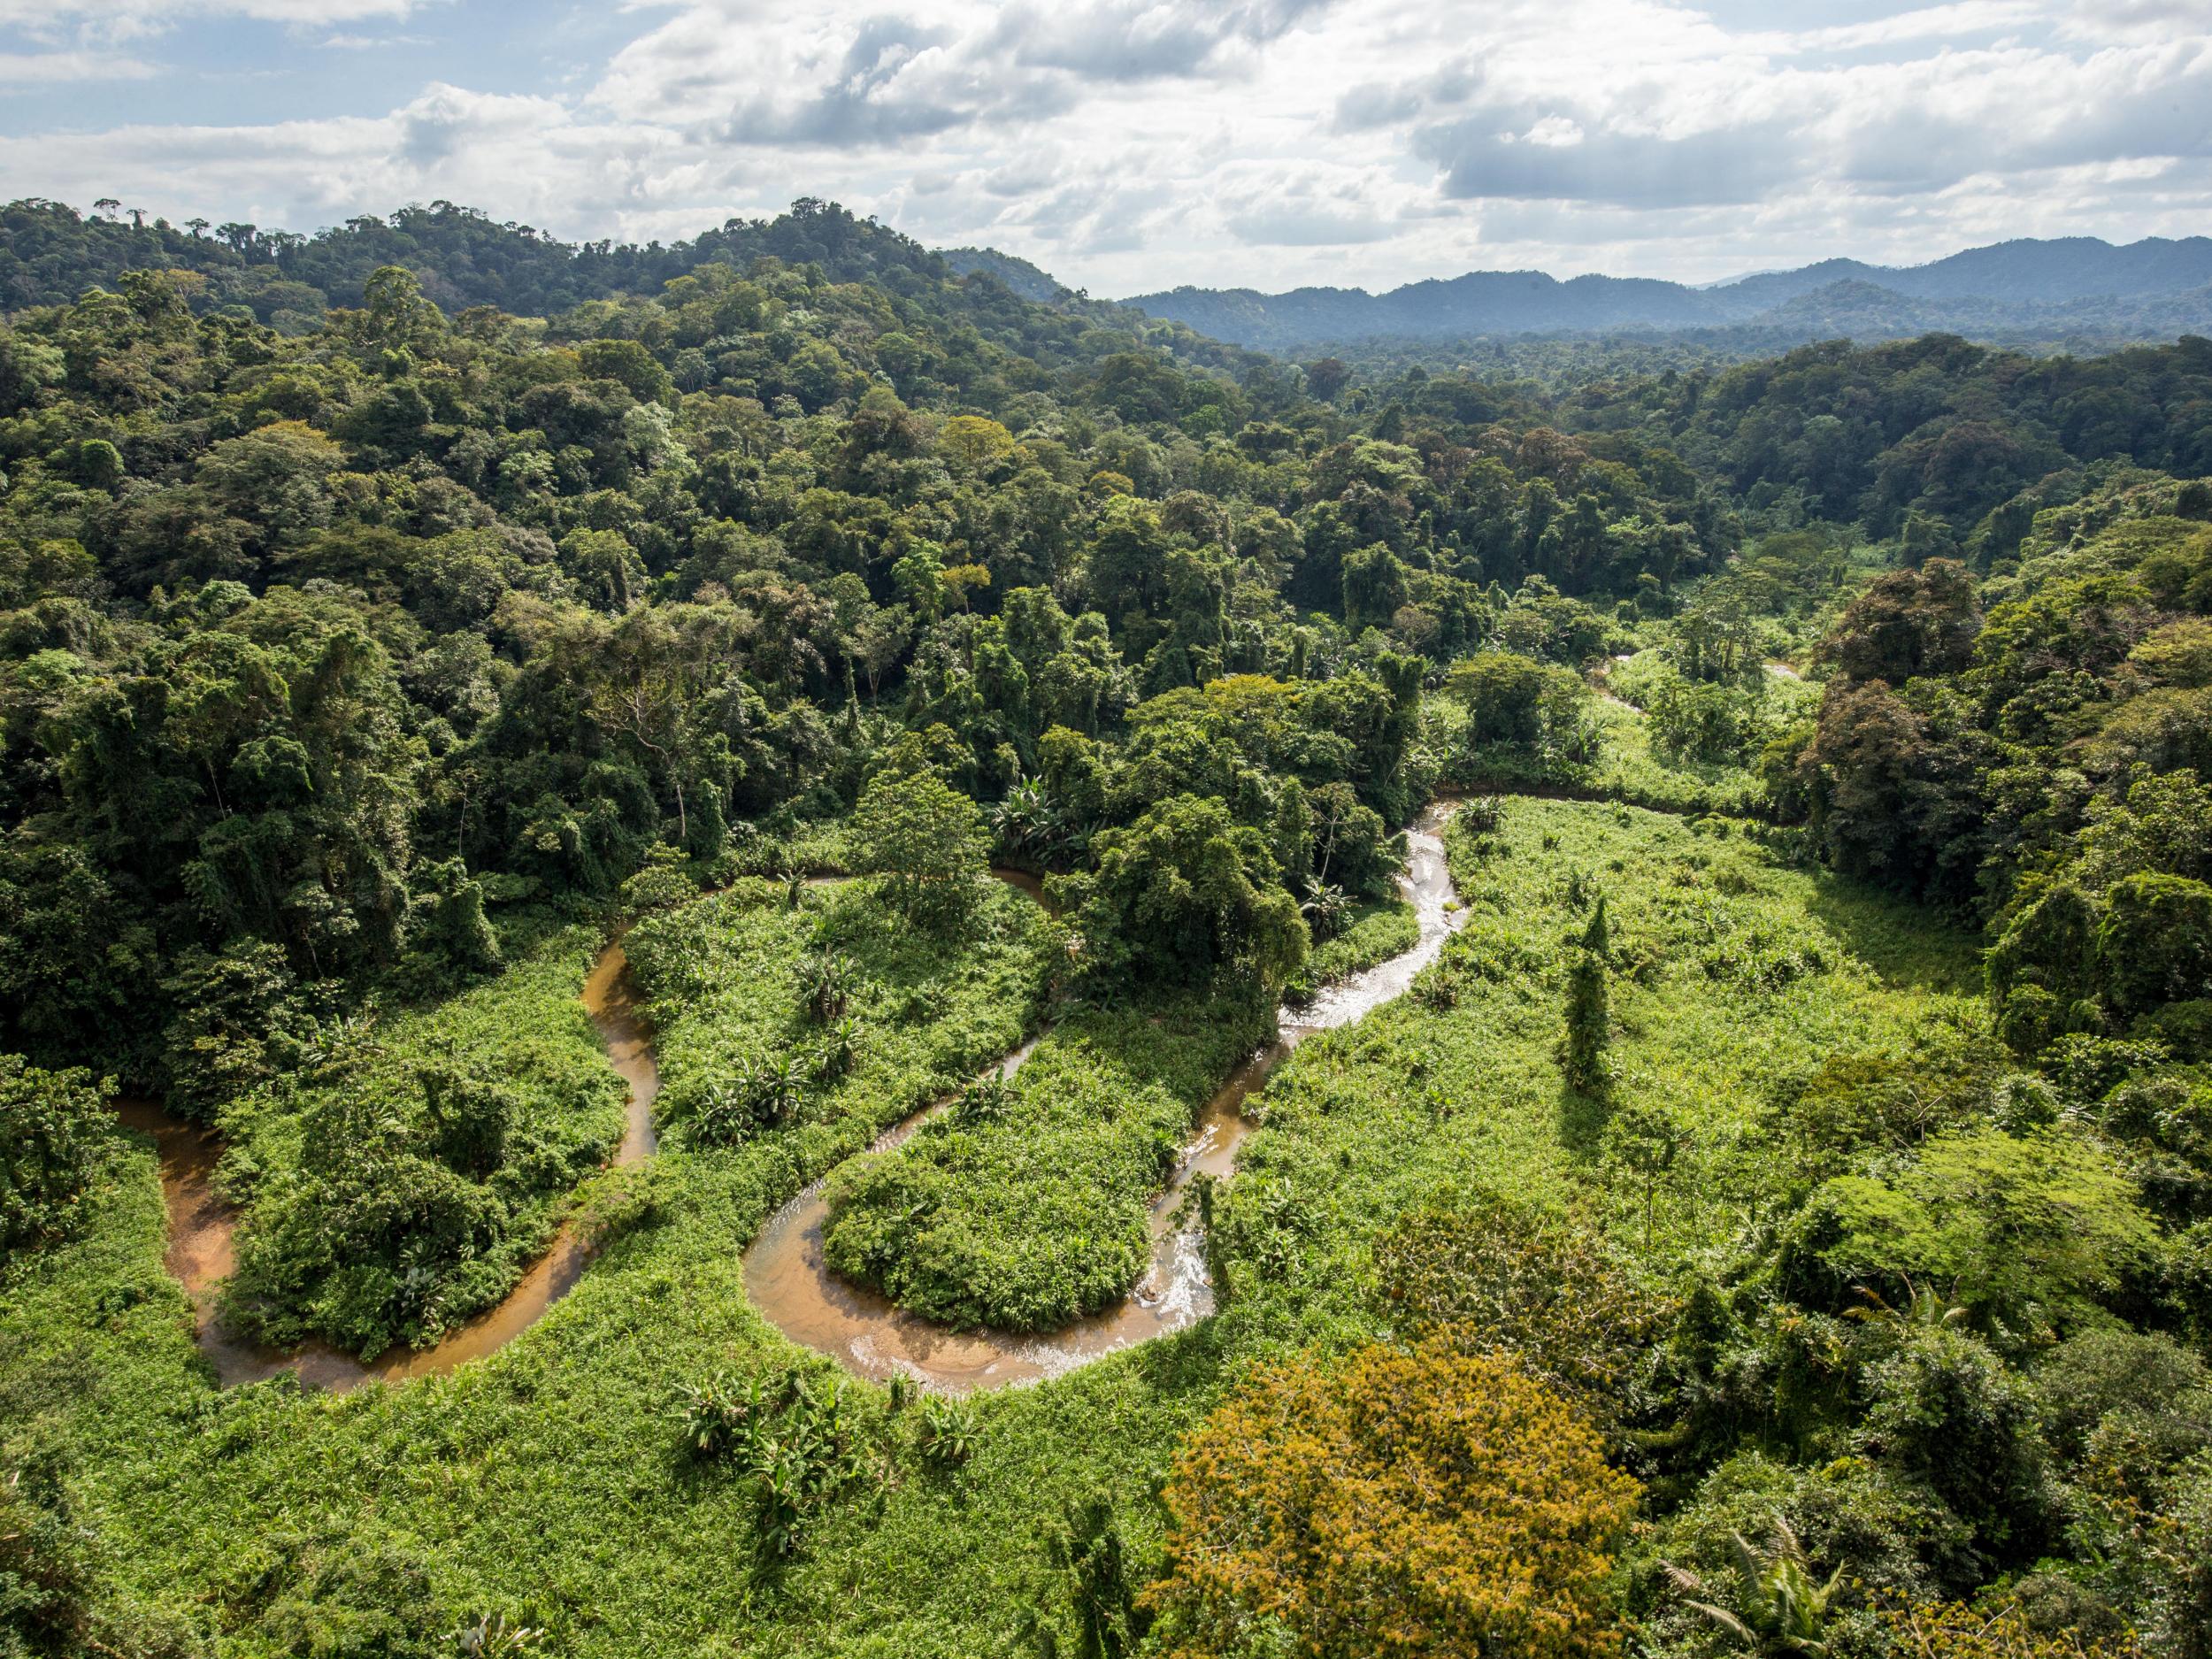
pixel 2078 285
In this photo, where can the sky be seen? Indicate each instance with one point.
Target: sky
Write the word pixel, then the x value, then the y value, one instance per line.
pixel 1128 146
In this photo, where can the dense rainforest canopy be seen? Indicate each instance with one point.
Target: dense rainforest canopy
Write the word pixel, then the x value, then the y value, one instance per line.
pixel 360 668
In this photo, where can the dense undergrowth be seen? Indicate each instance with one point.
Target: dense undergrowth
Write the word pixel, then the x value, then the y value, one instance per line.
pixel 402 1178
pixel 330 649
pixel 817 1025
pixel 545 1484
pixel 1024 1206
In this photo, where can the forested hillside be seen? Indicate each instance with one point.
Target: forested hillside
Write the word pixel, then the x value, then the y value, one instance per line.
pixel 1785 1150
pixel 2076 289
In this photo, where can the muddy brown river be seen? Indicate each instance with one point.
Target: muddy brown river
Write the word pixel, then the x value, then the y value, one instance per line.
pixel 785 1274
pixel 202 1225
pixel 870 1335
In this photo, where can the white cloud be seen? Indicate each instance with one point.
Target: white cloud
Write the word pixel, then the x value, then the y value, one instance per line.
pixel 47 68
pixel 1131 144
pixel 46 14
pixel 1931 23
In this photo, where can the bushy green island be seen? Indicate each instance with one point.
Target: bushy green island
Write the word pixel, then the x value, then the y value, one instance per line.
pixel 1779 1221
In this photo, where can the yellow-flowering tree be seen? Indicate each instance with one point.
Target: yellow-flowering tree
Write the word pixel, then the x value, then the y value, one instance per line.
pixel 1404 1503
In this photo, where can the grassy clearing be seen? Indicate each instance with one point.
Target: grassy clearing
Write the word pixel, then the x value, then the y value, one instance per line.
pixel 727 983
pixel 1733 979
pixel 1630 768
pixel 547 1483
pixel 406 1181
pixel 1024 1208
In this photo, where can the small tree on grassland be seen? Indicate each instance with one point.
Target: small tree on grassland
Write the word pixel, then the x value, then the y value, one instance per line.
pixel 1582 1056
pixel 1429 1502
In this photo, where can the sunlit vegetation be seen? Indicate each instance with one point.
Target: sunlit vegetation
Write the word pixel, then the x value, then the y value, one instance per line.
pixel 1350 937
pixel 1025 1204
pixel 401 1176
pixel 811 1028
pixel 1780 1221
pixel 1415 1504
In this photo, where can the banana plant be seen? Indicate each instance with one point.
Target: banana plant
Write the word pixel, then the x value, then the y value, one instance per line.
pixel 1779 1608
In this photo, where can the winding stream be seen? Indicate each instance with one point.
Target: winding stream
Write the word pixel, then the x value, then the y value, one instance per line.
pixel 201 1226
pixel 784 1270
pixel 868 1334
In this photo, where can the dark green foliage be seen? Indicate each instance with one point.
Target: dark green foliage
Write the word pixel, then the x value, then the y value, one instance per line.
pixel 328 643
pixel 1947 1413
pixel 239 1023
pixel 1583 1065
pixel 1087 1550
pixel 450 928
pixel 1184 895
pixel 54 1133
pixel 405 1179
pixel 2044 967
pixel 1519 711
pixel 2154 944
pixel 1907 624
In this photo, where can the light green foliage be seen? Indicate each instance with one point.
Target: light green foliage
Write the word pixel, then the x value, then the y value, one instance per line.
pixel 925 1013
pixel 1723 961
pixel 2025 1231
pixel 1369 933
pixel 1027 1208
pixel 926 840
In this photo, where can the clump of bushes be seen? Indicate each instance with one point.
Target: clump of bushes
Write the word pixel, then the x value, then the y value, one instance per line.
pixel 796 1439
pixel 54 1130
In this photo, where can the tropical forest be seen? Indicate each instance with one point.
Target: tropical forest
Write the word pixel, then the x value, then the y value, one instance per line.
pixel 776 946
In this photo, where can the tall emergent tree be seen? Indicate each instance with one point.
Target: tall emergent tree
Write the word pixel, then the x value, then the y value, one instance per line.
pixel 926 840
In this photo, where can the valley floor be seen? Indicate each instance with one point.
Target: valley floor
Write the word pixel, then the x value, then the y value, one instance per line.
pixel 548 1483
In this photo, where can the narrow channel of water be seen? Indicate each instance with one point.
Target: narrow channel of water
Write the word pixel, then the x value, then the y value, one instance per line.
pixel 784 1270
pixel 201 1226
pixel 867 1334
